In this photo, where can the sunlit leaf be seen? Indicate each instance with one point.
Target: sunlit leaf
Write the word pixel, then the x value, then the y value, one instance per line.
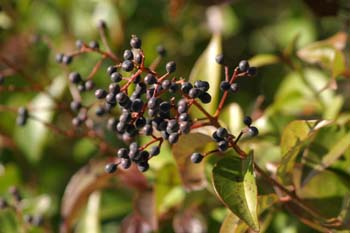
pixel 208 70
pixel 294 137
pixel 33 136
pixel 90 178
pixel 232 224
pixel 327 53
pixel 263 60
pixel 192 175
pixel 234 183
pixel 232 116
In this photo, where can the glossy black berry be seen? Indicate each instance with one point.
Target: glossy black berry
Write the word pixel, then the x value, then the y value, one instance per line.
pixel 170 67
pixel 76 121
pixel 74 77
pixel 122 97
pixel 252 71
pixel 194 92
pixel 166 84
pixel 128 55
pixel 116 77
pixel 111 70
pixel 79 44
pixel 222 146
pixel 243 66
pixel 59 57
pixel 127 65
pixel 150 79
pixel 224 86
pixel 138 59
pixel 234 87
pixel 247 120
pixel 100 111
pixel 219 59
pixel 202 85
pixel 186 87
pixel 164 106
pixel 140 122
pixel 155 150
pixel 125 163
pixel 147 129
pixel 221 132
pixel 100 93
pixel 135 42
pixel 253 131
pixel 22 111
pixel 89 85
pixel 123 153
pixel 81 87
pixel 185 127
pixel 173 87
pixel 173 138
pixel 114 88
pixel 216 137
pixel 196 157
pixel 205 98
pixel 67 59
pixel 110 98
pixel 136 105
pixel 161 50
pixel 143 166
pixel 75 105
pixel 112 124
pixel 28 219
pixel 94 45
pixel 110 168
pixel 184 117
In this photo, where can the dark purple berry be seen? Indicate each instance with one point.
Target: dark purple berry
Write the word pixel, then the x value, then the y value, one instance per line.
pixel 196 157
pixel 161 50
pixel 173 138
pixel 253 131
pixel 144 166
pixel 127 65
pixel 155 150
pixel 219 59
pixel 194 93
pixel 222 146
pixel 135 42
pixel 114 88
pixel 125 163
pixel 116 77
pixel 79 44
pixel 166 84
pixel 243 65
pixel 150 79
pixel 221 132
pixel 59 57
pixel 74 77
pixel 67 59
pixel 186 87
pixel 75 105
pixel 123 153
pixel 110 168
pixel 147 129
pixel 111 70
pixel 89 85
pixel 100 111
pixel 170 67
pixel 234 87
pixel 252 71
pixel 100 93
pixel 224 86
pixel 138 59
pixel 247 120
pixel 205 98
pixel 128 55
pixel 94 45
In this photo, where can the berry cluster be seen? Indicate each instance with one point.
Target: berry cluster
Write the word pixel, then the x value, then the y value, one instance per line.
pixel 16 205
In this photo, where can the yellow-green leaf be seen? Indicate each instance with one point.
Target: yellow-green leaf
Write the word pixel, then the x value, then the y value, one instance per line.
pixel 235 185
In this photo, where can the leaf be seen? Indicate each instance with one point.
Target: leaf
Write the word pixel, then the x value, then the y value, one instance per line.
pixel 192 175
pixel 296 135
pixel 90 178
pixel 327 53
pixel 33 136
pixel 207 69
pixel 90 222
pixel 234 184
pixel 232 116
pixel 232 224
pixel 263 60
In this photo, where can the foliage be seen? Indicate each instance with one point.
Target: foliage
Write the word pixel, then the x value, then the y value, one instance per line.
pixel 293 176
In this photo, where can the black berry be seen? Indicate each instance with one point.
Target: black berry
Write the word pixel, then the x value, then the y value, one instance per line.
pixel 135 42
pixel 110 168
pixel 243 66
pixel 74 77
pixel 128 55
pixel 127 65
pixel 196 157
pixel 170 67
pixel 253 131
pixel 100 93
pixel 247 120
pixel 220 59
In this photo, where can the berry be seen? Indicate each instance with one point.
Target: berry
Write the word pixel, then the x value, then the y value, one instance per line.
pixel 150 79
pixel 161 50
pixel 76 121
pixel 140 122
pixel 22 111
pixel 252 71
pixel 110 168
pixel 173 138
pixel 28 218
pixel 155 150
pixel 182 106
pixel 216 137
pixel 100 111
pixel 164 106
pixel 75 105
pixel 166 84
pixel 135 42
pixel 196 157
pixel 144 166
pixel 122 97
pixel 173 87
pixel 100 93
pixel 89 85
pixel 224 86
pixel 234 87
pixel 111 70
pixel 185 127
pixel 138 59
pixel 128 55
pixel 253 131
pixel 114 88
pixel 194 92
pixel 222 146
pixel 219 59
pixel 136 105
pixel 186 87
pixel 205 98
pixel 247 120
pixel 170 67
pixel 127 65
pixel 94 45
pixel 125 163
pixel 79 44
pixel 202 85
pixel 221 132
pixel 116 77
pixel 67 59
pixel 59 57
pixel 184 117
pixel 133 147
pixel 123 153
pixel 147 129
pixel 74 77
pixel 243 66
pixel 110 98
pixel 81 87
pixel 112 124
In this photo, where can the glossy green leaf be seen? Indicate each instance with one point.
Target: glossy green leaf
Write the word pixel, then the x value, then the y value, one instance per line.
pixel 208 70
pixel 295 136
pixel 263 60
pixel 192 175
pixel 327 53
pixel 234 183
pixel 32 137
pixel 232 116
pixel 232 224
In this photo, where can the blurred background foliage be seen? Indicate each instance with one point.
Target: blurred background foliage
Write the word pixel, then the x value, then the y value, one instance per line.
pixel 275 35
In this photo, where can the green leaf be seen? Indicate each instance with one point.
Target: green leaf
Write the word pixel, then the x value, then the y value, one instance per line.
pixel 263 60
pixel 327 52
pixel 33 136
pixel 232 116
pixel 90 222
pixel 207 69
pixel 192 175
pixel 294 137
pixel 234 183
pixel 232 224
